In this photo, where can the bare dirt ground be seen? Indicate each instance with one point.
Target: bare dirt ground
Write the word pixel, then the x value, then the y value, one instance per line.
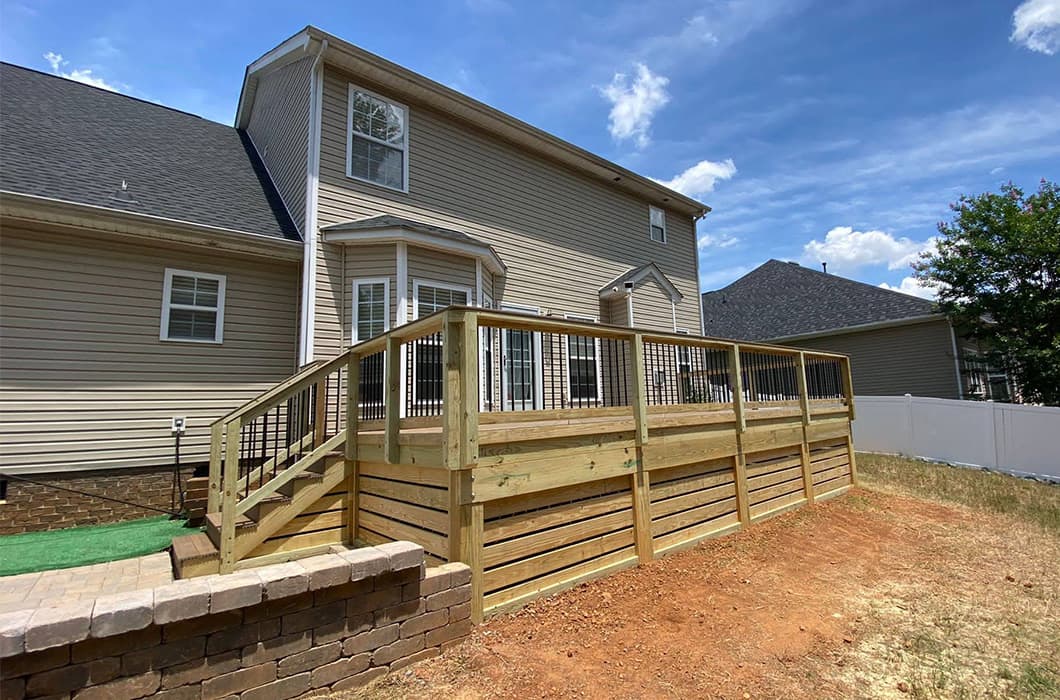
pixel 871 595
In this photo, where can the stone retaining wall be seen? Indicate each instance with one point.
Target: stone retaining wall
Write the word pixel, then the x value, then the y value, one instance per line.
pixel 334 621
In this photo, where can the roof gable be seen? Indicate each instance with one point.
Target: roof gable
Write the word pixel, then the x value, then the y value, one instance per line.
pixel 636 276
pixel 64 140
pixel 781 299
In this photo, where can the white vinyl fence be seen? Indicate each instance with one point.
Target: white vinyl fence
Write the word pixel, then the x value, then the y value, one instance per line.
pixel 1007 437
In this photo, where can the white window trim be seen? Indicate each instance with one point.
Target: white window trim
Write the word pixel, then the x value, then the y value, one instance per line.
pixel 596 358
pixel 666 234
pixel 167 291
pixel 484 301
pixel 351 88
pixel 416 284
pixel 357 282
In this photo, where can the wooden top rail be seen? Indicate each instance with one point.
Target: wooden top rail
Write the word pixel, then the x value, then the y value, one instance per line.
pixel 428 325
pixel 308 375
pixel 525 322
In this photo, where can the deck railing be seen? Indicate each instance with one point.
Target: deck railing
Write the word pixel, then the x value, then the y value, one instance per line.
pixel 447 369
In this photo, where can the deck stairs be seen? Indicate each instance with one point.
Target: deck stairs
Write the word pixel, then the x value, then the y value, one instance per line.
pixel 271 461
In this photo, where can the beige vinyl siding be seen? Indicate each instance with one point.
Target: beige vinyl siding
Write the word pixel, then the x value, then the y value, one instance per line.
pixel 279 128
pixel 652 307
pixel 378 261
pixel 561 234
pixel 85 381
pixel 330 291
pixel 915 359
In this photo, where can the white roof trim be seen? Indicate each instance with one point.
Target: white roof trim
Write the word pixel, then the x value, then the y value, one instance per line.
pixel 478 251
pixel 47 210
pixel 295 48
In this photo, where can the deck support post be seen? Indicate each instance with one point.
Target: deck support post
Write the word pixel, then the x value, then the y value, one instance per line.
pixel 640 483
pixel 848 394
pixel 392 400
pixel 353 411
pixel 804 448
pixel 743 505
pixel 228 498
pixel 460 446
pixel 213 492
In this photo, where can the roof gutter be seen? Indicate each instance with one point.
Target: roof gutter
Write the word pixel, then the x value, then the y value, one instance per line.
pixel 310 235
pixel 47 210
pixel 910 321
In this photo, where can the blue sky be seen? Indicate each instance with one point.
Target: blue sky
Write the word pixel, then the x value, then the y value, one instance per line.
pixel 817 130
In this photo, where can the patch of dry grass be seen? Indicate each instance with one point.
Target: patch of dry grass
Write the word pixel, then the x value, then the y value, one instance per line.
pixel 1032 501
pixel 986 624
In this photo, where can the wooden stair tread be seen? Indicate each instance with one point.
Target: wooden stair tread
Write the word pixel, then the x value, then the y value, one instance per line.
pixel 214 520
pixel 193 547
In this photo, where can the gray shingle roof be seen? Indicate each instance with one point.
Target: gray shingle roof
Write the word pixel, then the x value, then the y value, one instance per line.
pixel 385 221
pixel 65 140
pixel 780 299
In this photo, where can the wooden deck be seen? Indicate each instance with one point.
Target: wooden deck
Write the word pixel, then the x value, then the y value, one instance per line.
pixel 534 501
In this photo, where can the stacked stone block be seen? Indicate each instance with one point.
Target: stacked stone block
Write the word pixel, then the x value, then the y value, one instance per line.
pixel 334 621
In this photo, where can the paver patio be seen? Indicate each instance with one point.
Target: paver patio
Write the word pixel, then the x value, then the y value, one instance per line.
pixel 46 588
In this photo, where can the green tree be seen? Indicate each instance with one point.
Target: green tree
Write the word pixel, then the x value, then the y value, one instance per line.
pixel 997 273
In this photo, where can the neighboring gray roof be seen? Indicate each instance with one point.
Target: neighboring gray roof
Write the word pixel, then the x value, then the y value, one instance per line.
pixel 780 299
pixel 635 275
pixel 64 140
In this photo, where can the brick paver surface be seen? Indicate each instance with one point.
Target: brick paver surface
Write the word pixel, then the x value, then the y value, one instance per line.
pixel 47 588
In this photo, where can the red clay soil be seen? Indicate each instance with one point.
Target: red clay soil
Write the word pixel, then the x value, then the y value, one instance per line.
pixel 736 617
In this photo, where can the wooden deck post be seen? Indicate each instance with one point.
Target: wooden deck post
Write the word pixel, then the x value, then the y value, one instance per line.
pixel 640 483
pixel 213 492
pixel 804 448
pixel 743 505
pixel 228 498
pixel 320 411
pixel 460 446
pixel 392 401
pixel 353 414
pixel 848 393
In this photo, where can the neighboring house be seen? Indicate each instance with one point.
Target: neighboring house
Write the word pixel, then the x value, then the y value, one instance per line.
pixel 898 344
pixel 156 265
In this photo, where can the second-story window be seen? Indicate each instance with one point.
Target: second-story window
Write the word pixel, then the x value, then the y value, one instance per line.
pixel 657 224
pixel 378 140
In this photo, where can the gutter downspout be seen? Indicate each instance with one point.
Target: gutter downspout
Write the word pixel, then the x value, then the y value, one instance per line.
pixel 956 363
pixel 307 326
pixel 699 290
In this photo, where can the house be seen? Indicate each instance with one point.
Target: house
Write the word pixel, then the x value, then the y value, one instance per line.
pixel 159 270
pixel 378 310
pixel 898 344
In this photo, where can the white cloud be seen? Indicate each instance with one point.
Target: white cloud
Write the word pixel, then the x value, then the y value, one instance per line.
pixel 81 75
pixel 1036 25
pixel 701 177
pixel 911 285
pixel 845 249
pixel 710 279
pixel 634 104
pixel 722 241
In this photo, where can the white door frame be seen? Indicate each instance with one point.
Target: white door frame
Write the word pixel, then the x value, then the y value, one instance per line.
pixel 536 361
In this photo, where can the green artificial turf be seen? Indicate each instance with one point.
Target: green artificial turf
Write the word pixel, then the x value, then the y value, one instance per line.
pixel 78 546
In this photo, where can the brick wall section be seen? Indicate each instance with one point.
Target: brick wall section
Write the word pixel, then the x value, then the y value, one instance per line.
pixel 334 621
pixel 32 507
